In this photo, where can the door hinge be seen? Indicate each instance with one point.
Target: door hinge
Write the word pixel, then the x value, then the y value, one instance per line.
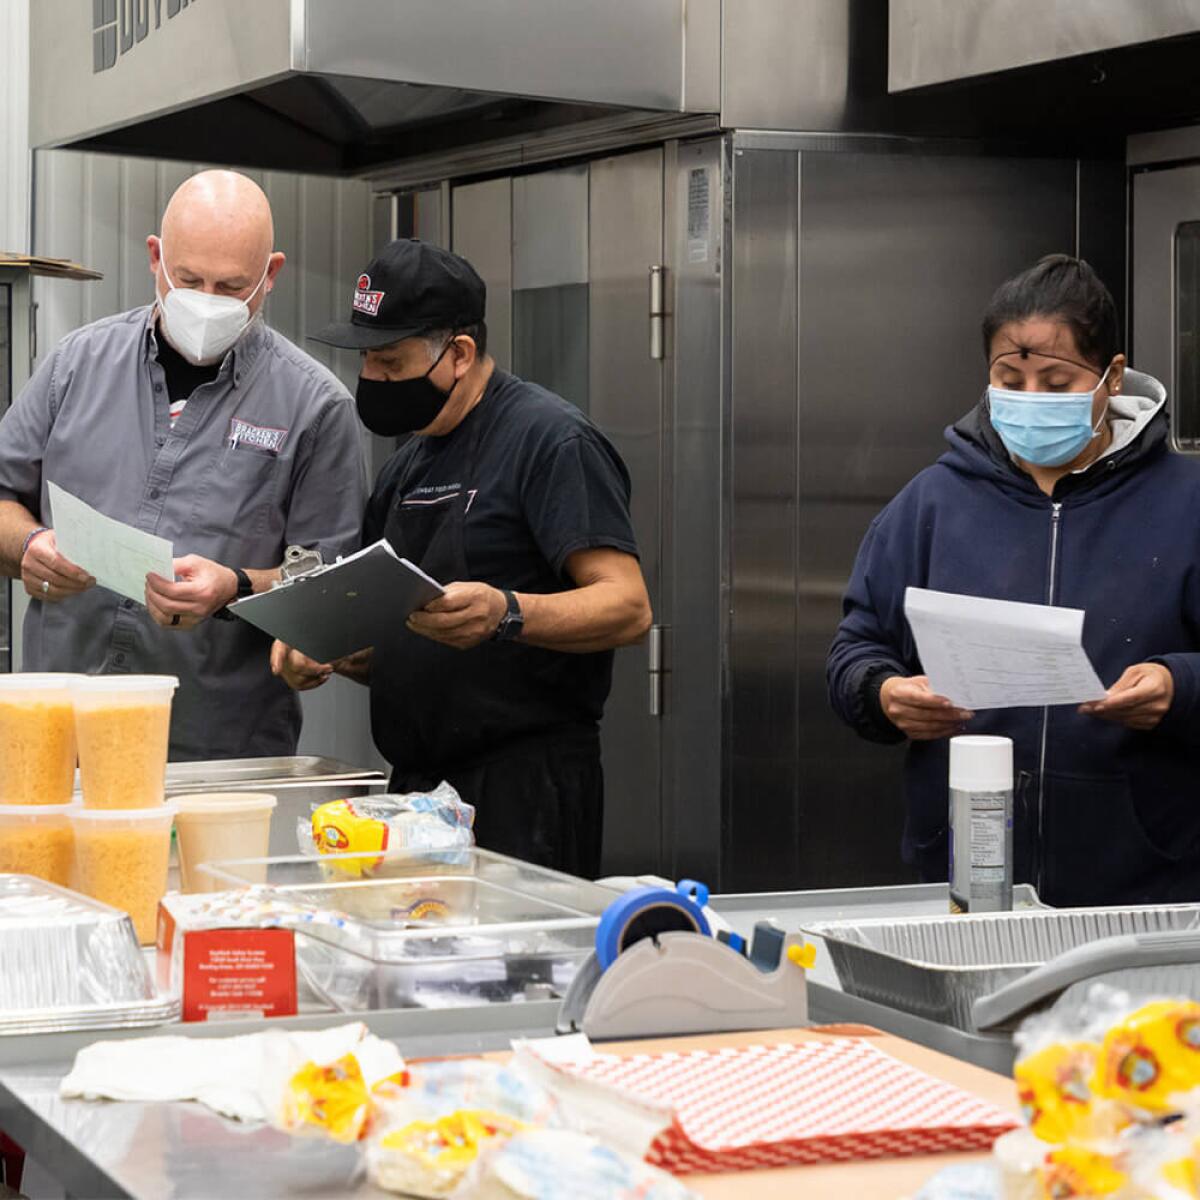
pixel 656 646
pixel 658 311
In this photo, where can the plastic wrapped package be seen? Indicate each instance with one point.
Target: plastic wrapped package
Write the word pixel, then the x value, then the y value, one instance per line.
pixel 429 1135
pixel 435 824
pixel 1150 1059
pixel 549 1164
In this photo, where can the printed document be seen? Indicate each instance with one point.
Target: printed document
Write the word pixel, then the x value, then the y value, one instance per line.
pixel 1001 654
pixel 119 556
pixel 359 601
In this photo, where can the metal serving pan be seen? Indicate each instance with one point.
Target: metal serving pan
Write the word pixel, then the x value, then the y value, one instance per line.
pixel 937 967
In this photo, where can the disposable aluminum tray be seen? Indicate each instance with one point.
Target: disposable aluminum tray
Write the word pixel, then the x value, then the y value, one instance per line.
pixel 68 962
pixel 937 967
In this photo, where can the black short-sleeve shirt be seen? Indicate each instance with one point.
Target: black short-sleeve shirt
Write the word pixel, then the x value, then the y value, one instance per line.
pixel 540 482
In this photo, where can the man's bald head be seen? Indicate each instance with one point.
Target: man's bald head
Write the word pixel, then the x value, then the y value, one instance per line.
pixel 218 234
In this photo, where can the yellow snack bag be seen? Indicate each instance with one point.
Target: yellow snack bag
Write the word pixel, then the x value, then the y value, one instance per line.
pixel 338 828
pixel 1076 1171
pixel 452 1142
pixel 1054 1086
pixel 334 1099
pixel 1152 1056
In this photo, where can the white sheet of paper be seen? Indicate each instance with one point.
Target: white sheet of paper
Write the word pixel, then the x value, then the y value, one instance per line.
pixel 119 556
pixel 1001 654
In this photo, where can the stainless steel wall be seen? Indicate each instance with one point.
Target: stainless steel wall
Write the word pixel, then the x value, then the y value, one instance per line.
pixel 859 279
pixel 98 209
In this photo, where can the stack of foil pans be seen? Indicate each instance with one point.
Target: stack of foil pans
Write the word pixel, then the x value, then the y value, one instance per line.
pixel 937 967
pixel 68 962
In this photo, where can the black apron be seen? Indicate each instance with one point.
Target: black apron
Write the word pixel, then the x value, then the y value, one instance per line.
pixel 537 788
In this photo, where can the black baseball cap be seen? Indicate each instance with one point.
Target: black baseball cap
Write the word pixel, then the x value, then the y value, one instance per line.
pixel 409 289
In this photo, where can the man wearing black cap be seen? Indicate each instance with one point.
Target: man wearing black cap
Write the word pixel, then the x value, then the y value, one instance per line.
pixel 514 499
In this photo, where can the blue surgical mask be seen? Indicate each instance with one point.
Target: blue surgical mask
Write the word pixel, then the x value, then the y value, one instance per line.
pixel 1045 429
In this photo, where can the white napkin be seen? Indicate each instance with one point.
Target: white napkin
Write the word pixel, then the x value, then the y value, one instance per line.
pixel 240 1077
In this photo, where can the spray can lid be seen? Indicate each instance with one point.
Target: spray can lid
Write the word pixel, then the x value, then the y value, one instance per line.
pixel 981 764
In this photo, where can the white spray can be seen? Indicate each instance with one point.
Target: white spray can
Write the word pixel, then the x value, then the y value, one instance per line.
pixel 981 824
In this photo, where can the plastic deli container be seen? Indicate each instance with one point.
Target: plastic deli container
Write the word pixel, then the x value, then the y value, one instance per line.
pixel 121 858
pixel 37 840
pixel 123 724
pixel 37 739
pixel 218 826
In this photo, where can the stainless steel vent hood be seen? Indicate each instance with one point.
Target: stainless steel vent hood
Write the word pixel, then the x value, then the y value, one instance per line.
pixel 346 85
pixel 939 41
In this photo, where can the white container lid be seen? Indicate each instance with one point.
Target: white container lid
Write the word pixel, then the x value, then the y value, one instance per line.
pixel 164 814
pixel 223 806
pixel 34 812
pixel 39 681
pixel 981 764
pixel 126 683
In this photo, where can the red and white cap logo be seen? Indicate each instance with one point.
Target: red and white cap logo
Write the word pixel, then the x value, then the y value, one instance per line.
pixel 365 300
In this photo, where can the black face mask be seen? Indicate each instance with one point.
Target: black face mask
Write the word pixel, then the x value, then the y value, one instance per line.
pixel 391 407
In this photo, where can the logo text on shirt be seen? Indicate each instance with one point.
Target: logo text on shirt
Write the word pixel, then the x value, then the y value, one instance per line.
pixel 365 300
pixel 255 437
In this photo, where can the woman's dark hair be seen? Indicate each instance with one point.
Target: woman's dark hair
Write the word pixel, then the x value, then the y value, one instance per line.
pixel 1059 288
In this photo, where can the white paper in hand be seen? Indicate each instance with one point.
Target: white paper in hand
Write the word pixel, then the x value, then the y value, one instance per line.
pixel 983 653
pixel 119 556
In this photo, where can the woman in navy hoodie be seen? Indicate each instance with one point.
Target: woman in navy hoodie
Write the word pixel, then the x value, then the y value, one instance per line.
pixel 1058 488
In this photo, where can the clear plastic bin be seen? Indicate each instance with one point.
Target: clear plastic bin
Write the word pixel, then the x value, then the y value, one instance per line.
pixel 433 930
pixel 37 840
pixel 121 858
pixel 37 738
pixel 123 724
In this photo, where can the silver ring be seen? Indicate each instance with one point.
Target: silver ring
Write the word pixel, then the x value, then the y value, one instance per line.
pixel 45 587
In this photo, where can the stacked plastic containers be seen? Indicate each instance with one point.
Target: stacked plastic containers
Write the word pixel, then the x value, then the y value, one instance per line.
pixel 37 775
pixel 123 829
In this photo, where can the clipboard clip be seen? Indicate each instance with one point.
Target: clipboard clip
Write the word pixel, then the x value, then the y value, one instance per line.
pixel 299 561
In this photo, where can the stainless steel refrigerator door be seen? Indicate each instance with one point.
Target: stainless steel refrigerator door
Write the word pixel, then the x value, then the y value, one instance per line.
pixel 625 389
pixel 1166 291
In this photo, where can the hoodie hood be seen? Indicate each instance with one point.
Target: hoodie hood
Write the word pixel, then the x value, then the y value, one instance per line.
pixel 1137 417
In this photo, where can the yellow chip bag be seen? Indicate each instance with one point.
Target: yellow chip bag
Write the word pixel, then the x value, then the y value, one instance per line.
pixel 338 828
pixel 1054 1086
pixel 333 1099
pixel 1152 1056
pixel 1076 1171
pixel 452 1142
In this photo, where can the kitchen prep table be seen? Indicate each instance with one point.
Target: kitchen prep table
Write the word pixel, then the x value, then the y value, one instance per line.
pixel 185 1152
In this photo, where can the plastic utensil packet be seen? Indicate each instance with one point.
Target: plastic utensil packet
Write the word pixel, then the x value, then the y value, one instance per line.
pixel 436 824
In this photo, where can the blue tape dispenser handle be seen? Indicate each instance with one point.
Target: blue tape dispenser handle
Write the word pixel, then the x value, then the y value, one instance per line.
pixel 648 911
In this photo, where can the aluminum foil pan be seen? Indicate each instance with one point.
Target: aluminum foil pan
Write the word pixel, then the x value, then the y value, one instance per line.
pixel 937 967
pixel 61 951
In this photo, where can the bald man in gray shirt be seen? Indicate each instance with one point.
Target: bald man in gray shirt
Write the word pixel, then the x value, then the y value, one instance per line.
pixel 192 420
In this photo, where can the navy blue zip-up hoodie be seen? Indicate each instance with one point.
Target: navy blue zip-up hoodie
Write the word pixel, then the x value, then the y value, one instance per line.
pixel 1112 815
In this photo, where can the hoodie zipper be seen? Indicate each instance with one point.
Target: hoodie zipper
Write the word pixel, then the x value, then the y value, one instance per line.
pixel 1055 526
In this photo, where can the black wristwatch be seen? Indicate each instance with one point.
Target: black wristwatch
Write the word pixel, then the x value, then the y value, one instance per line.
pixel 245 587
pixel 512 624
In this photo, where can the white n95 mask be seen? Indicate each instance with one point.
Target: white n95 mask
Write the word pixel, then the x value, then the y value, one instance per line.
pixel 201 326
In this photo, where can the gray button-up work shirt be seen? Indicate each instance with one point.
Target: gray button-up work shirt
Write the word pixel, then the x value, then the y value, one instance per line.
pixel 265 456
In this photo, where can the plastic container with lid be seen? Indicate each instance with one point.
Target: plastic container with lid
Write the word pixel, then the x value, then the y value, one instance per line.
pixel 123 724
pixel 38 840
pixel 121 858
pixel 37 738
pixel 216 826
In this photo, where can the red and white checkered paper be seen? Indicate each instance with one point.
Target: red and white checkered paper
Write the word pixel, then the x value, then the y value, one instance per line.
pixel 796 1103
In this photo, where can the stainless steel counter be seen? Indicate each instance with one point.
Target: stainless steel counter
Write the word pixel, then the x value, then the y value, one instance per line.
pixel 185 1152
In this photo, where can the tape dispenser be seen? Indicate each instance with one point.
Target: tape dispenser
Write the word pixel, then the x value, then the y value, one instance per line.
pixel 658 970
